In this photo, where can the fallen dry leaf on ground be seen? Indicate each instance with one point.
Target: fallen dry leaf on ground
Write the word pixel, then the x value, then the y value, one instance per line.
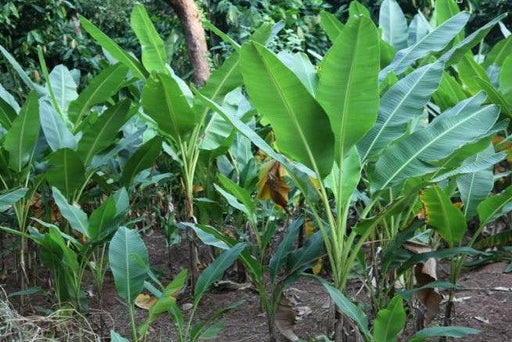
pixel 145 301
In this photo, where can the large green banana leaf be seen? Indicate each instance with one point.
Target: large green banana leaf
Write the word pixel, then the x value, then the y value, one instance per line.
pixel 331 25
pixel 55 130
pixel 505 80
pixel 99 90
pixel 442 215
pixel 144 158
pixel 300 124
pixel 11 197
pixel 462 48
pixel 65 171
pixel 40 90
pixel 469 71
pixel 76 217
pixel 404 101
pixel 102 133
pixel 63 86
pixel 115 50
pixel 444 10
pixel 21 139
pixel 7 114
pixel 389 321
pixel 164 101
pixel 435 41
pixel 348 87
pixel 128 258
pixel 418 28
pixel 476 186
pixel 415 154
pixel 449 93
pixel 154 56
pixel 495 206
pixel 499 52
pixel 393 23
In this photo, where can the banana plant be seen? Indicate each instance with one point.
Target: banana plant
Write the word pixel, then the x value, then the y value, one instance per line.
pixel 69 257
pixel 128 258
pixel 285 265
pixel 333 125
pixel 168 104
pixel 19 150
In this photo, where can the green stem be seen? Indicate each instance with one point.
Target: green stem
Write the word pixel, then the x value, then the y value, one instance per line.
pixel 132 323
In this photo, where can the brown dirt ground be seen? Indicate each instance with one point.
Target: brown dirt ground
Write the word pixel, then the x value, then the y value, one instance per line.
pixel 480 306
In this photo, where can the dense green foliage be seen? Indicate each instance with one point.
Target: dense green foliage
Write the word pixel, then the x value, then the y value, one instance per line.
pixel 374 134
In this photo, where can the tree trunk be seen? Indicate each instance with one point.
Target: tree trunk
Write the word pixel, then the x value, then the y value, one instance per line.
pixel 195 38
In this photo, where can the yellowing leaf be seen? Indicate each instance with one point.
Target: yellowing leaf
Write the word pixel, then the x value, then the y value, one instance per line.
pixel 272 185
pixel 309 228
pixel 318 266
pixel 315 182
pixel 197 188
pixel 145 301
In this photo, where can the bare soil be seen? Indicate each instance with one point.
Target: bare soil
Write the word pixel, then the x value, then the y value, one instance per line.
pixel 485 304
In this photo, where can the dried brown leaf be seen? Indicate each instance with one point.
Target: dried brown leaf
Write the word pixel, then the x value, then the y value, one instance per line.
pixel 417 247
pixel 272 185
pixel 430 297
pixel 145 301
pixel 284 319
